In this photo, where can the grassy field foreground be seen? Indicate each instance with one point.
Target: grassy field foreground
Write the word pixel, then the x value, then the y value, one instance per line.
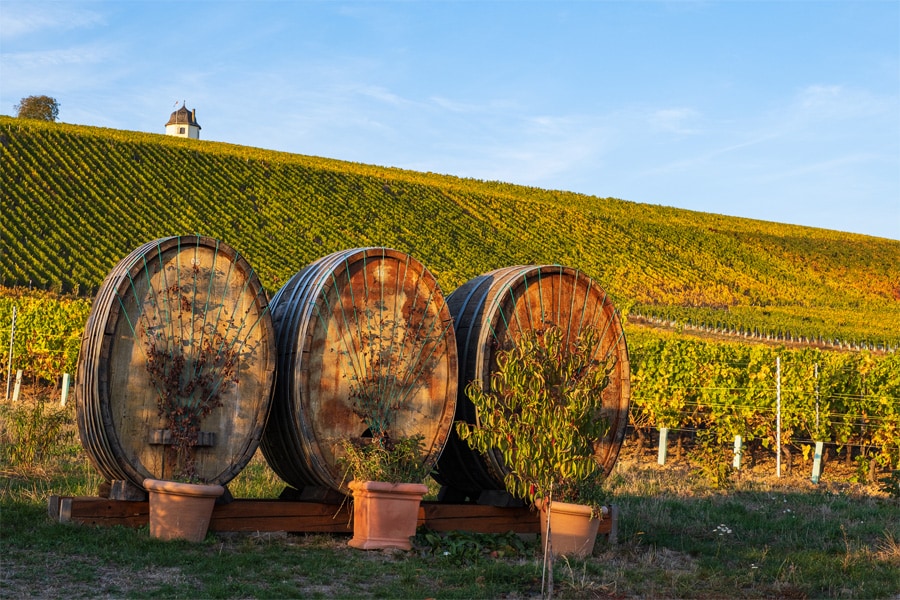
pixel 678 537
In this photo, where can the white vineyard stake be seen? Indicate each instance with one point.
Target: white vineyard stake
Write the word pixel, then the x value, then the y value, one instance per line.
pixel 817 462
pixel 65 389
pixel 18 386
pixel 663 439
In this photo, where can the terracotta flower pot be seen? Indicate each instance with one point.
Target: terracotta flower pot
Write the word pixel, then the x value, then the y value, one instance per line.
pixel 385 514
pixel 180 510
pixel 572 529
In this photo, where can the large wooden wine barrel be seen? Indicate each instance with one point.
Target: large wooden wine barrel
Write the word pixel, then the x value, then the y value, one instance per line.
pixel 366 318
pixel 492 310
pixel 173 297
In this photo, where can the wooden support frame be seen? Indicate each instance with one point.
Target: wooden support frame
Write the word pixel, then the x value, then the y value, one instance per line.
pixel 308 517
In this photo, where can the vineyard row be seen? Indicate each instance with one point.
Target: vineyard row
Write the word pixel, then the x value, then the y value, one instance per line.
pixel 727 327
pixel 723 388
pixel 728 389
pixel 83 197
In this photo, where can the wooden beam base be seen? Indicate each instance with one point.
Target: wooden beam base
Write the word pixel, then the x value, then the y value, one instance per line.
pixel 307 517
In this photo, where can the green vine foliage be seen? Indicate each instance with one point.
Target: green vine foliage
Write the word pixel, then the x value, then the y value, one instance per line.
pixel 33 434
pixel 47 332
pixel 728 389
pixel 69 187
pixel 542 413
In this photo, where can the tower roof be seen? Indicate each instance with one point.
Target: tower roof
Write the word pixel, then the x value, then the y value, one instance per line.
pixel 183 116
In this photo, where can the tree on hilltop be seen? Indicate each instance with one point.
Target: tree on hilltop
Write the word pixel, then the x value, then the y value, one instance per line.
pixel 43 108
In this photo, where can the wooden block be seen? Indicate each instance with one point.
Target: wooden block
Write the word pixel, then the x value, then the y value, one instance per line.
pixel 53 507
pixel 103 489
pixel 226 497
pixel 65 510
pixel 125 490
pixel 289 494
pixel 452 495
pixel 163 437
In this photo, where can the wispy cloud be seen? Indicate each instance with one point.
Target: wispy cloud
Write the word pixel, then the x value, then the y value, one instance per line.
pixel 529 149
pixel 836 101
pixel 23 18
pixel 454 106
pixel 61 70
pixel 87 54
pixel 814 167
pixel 674 120
pixel 382 95
pixel 712 149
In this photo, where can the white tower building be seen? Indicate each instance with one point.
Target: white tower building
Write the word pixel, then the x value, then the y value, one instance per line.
pixel 183 123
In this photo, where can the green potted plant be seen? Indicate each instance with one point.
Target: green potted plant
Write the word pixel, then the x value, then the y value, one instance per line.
pixel 387 483
pixel 386 470
pixel 542 414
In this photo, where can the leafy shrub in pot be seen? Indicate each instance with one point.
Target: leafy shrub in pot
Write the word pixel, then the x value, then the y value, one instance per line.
pixel 542 413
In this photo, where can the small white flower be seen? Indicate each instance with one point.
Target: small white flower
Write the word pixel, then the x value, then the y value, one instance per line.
pixel 722 529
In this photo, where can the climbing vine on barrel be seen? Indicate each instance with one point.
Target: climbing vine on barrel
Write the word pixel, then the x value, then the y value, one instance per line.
pixel 191 358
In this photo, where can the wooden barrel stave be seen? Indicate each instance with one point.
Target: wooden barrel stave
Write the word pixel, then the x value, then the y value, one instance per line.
pixel 321 314
pixel 281 443
pixel 117 416
pixel 89 381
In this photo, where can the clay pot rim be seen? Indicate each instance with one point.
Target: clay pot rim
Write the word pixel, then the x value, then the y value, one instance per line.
pixel 384 486
pixel 163 486
pixel 570 508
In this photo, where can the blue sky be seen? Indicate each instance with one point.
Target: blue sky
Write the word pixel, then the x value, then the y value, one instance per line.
pixel 782 111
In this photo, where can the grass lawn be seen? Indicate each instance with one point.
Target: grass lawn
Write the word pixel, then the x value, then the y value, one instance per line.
pixel 679 536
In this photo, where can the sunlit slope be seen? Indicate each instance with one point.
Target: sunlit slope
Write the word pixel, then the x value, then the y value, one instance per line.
pixel 76 199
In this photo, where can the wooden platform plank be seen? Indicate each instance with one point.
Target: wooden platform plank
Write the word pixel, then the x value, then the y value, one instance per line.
pixel 90 510
pixel 280 515
pixel 477 518
pixel 268 515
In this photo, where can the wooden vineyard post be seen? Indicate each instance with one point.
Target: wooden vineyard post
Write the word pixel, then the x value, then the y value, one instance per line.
pixel 663 445
pixel 778 417
pixel 12 336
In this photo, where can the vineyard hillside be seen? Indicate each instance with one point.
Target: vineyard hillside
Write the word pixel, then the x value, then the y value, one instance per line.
pixel 75 200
